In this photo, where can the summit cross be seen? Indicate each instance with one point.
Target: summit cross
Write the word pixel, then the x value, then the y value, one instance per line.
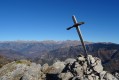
pixel 76 25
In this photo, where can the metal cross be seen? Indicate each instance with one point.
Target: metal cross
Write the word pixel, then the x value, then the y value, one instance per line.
pixel 76 25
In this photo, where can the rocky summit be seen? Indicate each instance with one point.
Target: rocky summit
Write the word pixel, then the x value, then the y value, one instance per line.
pixel 81 68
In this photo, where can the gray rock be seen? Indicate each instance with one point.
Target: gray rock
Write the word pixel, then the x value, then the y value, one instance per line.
pixel 95 63
pixel 78 70
pixel 90 77
pixel 33 72
pixel 56 68
pixel 81 58
pixel 116 75
pixel 102 74
pixel 98 67
pixel 88 71
pixel 109 76
pixel 65 76
pixel 91 60
pixel 69 61
pixel 95 77
pixel 14 70
pixel 21 70
pixel 44 67
pixel 85 65
pixel 59 66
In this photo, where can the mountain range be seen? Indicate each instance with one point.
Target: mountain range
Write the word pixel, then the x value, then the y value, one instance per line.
pixel 50 51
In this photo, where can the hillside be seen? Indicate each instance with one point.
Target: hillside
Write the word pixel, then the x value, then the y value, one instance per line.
pixel 4 61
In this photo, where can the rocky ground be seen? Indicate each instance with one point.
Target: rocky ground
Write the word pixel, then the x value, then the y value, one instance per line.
pixel 81 68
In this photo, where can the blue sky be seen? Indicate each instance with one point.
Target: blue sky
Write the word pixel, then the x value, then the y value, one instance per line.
pixel 48 20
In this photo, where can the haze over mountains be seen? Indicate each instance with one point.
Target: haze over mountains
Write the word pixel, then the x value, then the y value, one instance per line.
pixel 32 49
pixel 49 51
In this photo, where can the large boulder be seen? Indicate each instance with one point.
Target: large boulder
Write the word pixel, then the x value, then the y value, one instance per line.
pixel 20 70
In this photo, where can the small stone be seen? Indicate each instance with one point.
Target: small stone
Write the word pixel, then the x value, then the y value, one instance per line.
pixel 69 60
pixel 98 67
pixel 88 71
pixel 90 77
pixel 44 67
pixel 102 74
pixel 85 67
pixel 91 59
pixel 78 70
pixel 95 77
pixel 65 76
pixel 116 75
pixel 59 66
pixel 109 76
pixel 80 58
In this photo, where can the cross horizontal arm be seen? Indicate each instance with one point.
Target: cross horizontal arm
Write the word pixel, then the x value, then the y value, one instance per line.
pixel 75 25
pixel 70 27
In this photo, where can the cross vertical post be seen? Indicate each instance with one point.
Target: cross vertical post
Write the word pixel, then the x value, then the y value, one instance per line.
pixel 76 25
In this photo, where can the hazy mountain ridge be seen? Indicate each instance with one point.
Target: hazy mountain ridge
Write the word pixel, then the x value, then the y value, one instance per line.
pixel 48 51
pixel 32 48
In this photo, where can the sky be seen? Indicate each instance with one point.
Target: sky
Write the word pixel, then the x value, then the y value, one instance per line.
pixel 48 20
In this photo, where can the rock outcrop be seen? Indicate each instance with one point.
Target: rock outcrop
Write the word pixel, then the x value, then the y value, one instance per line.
pixel 81 68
